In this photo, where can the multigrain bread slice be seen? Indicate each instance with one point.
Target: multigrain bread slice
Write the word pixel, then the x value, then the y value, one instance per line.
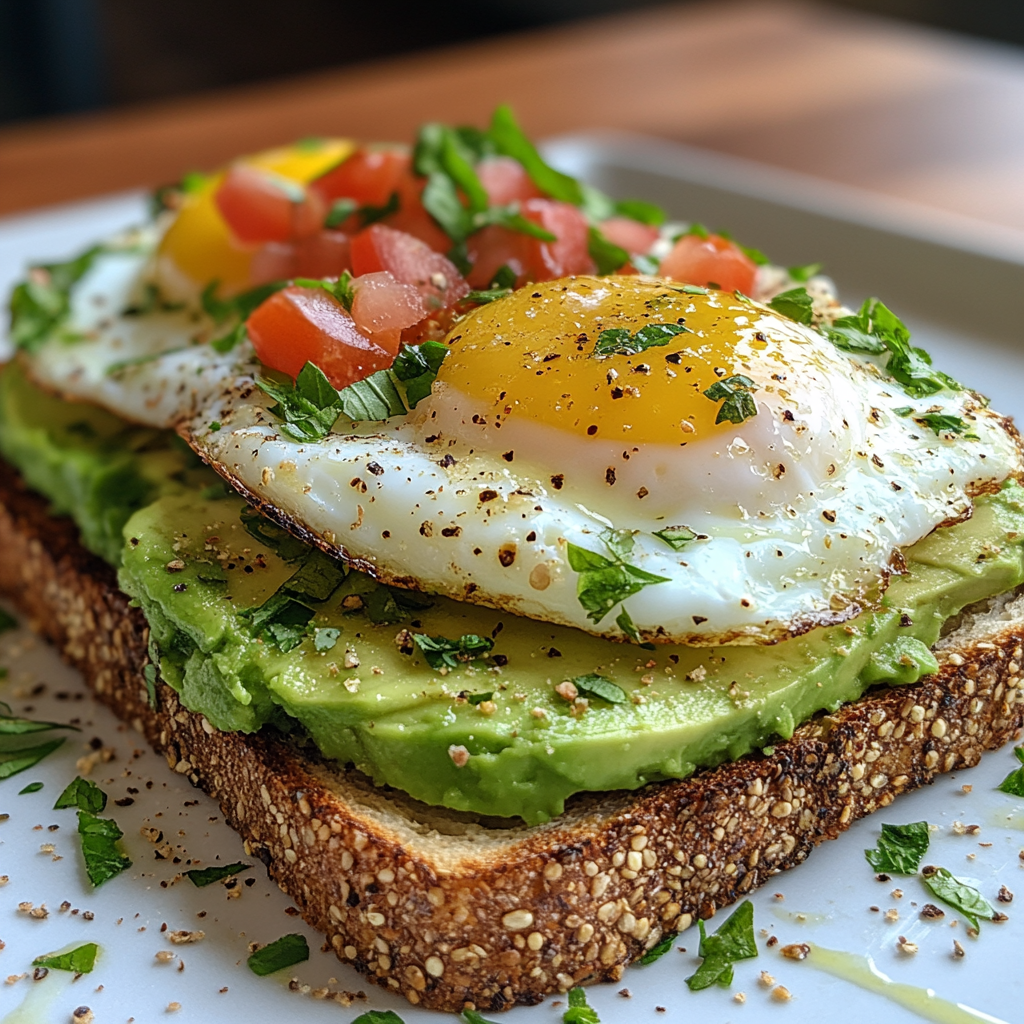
pixel 455 912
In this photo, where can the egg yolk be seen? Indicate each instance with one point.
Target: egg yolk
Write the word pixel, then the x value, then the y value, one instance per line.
pixel 537 354
pixel 199 244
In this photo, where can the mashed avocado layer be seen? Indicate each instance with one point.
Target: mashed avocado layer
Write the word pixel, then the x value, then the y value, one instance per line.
pixel 252 627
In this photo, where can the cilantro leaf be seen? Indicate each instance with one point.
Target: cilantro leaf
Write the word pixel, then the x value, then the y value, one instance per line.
pixel 84 795
pixel 580 1011
pixel 605 582
pixel 606 254
pixel 416 366
pixel 342 209
pixel 509 217
pixel 280 620
pixel 900 848
pixel 220 311
pixel 283 952
pixel 732 942
pixel 374 398
pixel 42 302
pixel 12 725
pixel 201 877
pixel 593 685
pixel 658 951
pixel 472 1017
pixel 676 537
pixel 804 272
pixel 309 407
pixel 316 578
pixel 14 761
pixel 796 304
pixel 326 638
pixel 80 960
pixel 617 341
pixel 738 405
pixel 386 1017
pixel 510 140
pixel 962 897
pixel 103 859
pixel 442 654
pixel 1014 782
pixel 440 199
pixel 644 212
pixel 479 698
pixel 490 295
pixel 504 277
pixel 32 787
pixel 942 423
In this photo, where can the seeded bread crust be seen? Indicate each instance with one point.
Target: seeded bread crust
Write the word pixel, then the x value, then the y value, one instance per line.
pixel 456 912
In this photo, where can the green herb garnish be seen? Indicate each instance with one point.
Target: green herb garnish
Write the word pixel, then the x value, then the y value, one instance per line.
pixel 593 685
pixel 308 408
pixel 284 952
pixel 326 638
pixel 42 302
pixel 479 698
pixel 14 761
pixel 963 898
pixel 390 1017
pixel 1014 782
pixel 732 942
pixel 676 537
pixel 606 254
pixel 103 859
pixel 606 581
pixel 84 795
pixel 796 304
pixel 442 654
pixel 416 366
pixel 804 272
pixel 738 404
pixel 900 848
pixel 201 877
pixel 943 423
pixel 619 341
pixel 32 787
pixel 79 961
pixel 342 209
pixel 275 537
pixel 580 1011
pixel 658 951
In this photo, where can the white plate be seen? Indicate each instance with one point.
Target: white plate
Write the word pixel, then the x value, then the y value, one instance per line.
pixel 827 901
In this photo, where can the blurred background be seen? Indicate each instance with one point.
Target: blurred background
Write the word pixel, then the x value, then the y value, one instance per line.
pixel 64 56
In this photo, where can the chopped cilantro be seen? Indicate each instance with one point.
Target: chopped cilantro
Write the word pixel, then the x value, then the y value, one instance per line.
pixel 374 398
pixel 12 725
pixel 280 620
pixel 479 698
pixel 201 877
pixel 618 341
pixel 489 295
pixel 41 303
pixel 388 1017
pixel 644 212
pixel 900 848
pixel 103 859
pixel 80 960
pixel 605 581
pixel 84 795
pixel 472 1017
pixel 942 423
pixel 593 685
pixel 579 1011
pixel 676 537
pixel 442 654
pixel 606 254
pixel 325 639
pixel 283 952
pixel 962 897
pixel 1014 782
pixel 738 404
pixel 32 787
pixel 658 951
pixel 342 209
pixel 316 579
pixel 510 140
pixel 220 311
pixel 416 366
pixel 805 272
pixel 732 942
pixel 308 408
pixel 796 304
pixel 21 759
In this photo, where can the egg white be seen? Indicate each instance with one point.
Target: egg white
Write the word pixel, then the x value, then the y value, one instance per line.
pixel 429 501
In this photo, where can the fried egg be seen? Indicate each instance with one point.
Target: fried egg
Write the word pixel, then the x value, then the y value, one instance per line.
pixel 562 471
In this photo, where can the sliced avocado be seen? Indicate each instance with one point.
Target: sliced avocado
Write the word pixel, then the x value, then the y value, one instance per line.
pixel 251 629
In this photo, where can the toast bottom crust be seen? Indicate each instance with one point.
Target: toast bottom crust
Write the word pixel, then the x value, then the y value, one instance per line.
pixel 456 913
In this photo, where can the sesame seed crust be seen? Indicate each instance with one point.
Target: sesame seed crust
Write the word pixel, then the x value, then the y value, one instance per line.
pixel 453 911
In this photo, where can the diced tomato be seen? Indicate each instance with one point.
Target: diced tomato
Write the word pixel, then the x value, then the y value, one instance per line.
pixel 710 262
pixel 300 325
pixel 368 177
pixel 505 180
pixel 411 261
pixel 325 254
pixel 412 218
pixel 530 258
pixel 274 261
pixel 382 303
pixel 262 207
pixel 630 234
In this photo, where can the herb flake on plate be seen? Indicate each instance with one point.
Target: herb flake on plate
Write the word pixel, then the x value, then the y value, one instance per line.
pixel 900 848
pixel 1014 782
pixel 732 942
pixel 959 895
pixel 279 954
pixel 80 960
pixel 201 877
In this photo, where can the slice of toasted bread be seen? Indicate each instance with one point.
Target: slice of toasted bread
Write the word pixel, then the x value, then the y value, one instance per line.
pixel 456 912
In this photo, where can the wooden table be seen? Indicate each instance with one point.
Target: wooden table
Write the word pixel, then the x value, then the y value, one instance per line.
pixel 900 110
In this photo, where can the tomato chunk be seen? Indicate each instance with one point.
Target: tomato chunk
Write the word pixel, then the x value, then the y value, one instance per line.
pixel 411 261
pixel 299 325
pixel 263 207
pixel 630 234
pixel 381 303
pixel 368 177
pixel 505 180
pixel 530 258
pixel 710 262
pixel 325 254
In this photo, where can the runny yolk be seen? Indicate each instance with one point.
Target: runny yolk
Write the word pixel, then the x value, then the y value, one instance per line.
pixel 533 354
